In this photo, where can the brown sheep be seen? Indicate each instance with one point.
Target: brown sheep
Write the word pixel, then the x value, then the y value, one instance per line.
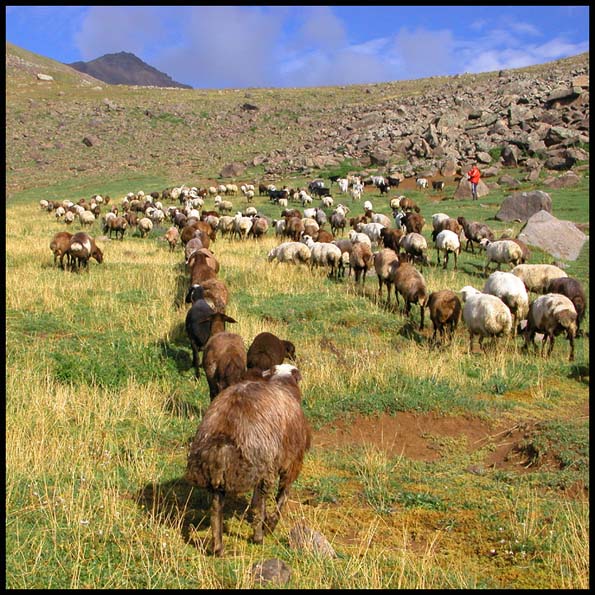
pixel 203 275
pixel 409 282
pixel 391 238
pixel 224 361
pixel 324 236
pixel 360 260
pixel 82 247
pixel 253 434
pixel 117 224
pixel 268 350
pixel 409 205
pixel 574 291
pixel 475 232
pixel 445 312
pixel 59 246
pixel 383 261
pixel 294 228
pixel 450 224
pixel 172 235
pixel 413 222
pixel 551 314
pixel 211 261
pixel 202 322
pixel 259 228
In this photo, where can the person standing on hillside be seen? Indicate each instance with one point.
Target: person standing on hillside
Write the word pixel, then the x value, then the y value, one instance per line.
pixel 473 176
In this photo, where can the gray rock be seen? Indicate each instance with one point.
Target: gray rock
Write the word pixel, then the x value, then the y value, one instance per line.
pixel 567 180
pixel 561 239
pixel 521 205
pixel 464 189
pixel 232 170
pixel 90 140
pixel 302 537
pixel 271 571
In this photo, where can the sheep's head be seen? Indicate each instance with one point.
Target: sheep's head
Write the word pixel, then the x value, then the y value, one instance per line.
pixel 283 371
pixel 97 255
pixel 468 291
pixel 195 292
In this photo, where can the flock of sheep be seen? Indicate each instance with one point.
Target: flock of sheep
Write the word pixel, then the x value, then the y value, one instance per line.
pixel 254 434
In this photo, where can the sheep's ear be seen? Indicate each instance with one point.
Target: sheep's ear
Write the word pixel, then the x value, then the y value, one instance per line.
pixel 227 318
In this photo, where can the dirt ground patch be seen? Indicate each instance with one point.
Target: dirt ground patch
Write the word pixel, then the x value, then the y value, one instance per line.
pixel 413 435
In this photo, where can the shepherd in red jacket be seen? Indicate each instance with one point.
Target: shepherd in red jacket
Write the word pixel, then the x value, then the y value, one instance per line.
pixel 473 176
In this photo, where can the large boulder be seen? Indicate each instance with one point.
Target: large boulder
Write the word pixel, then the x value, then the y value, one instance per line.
pixel 561 239
pixel 521 205
pixel 232 170
pixel 464 189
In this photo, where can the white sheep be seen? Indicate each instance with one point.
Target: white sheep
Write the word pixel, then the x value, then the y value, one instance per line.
pixel 395 202
pixel 537 276
pixel 485 315
pixel 87 218
pixel 501 251
pixel 324 254
pixel 356 191
pixel 421 183
pixel 145 225
pixel 416 246
pixel 225 206
pixel 372 230
pixel 343 185
pixel 381 218
pixel 290 252
pixel 437 220
pixel 447 241
pixel 279 225
pixel 511 290
pixel 60 212
pixel 341 210
pixel 327 201
pixel 355 237
pixel 368 206
pixel 225 225
pixel 551 314
pixel 241 226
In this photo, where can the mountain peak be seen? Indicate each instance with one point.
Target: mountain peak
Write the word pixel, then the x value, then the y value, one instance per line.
pixel 125 68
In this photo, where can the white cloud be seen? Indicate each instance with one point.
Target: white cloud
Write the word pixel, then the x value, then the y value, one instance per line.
pixel 424 53
pixel 224 46
pixel 109 29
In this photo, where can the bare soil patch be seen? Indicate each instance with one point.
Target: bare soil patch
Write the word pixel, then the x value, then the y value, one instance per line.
pixel 413 435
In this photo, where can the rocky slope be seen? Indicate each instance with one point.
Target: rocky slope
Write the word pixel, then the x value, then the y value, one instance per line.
pixel 534 117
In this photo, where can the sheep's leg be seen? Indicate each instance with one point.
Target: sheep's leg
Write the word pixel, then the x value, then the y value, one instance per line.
pixel 445 260
pixel 258 508
pixel 455 255
pixel 195 361
pixel 551 345
pixel 218 497
pixel 422 314
pixel 282 495
pixel 571 341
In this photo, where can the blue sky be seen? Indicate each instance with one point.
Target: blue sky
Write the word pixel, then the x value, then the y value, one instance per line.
pixel 300 46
